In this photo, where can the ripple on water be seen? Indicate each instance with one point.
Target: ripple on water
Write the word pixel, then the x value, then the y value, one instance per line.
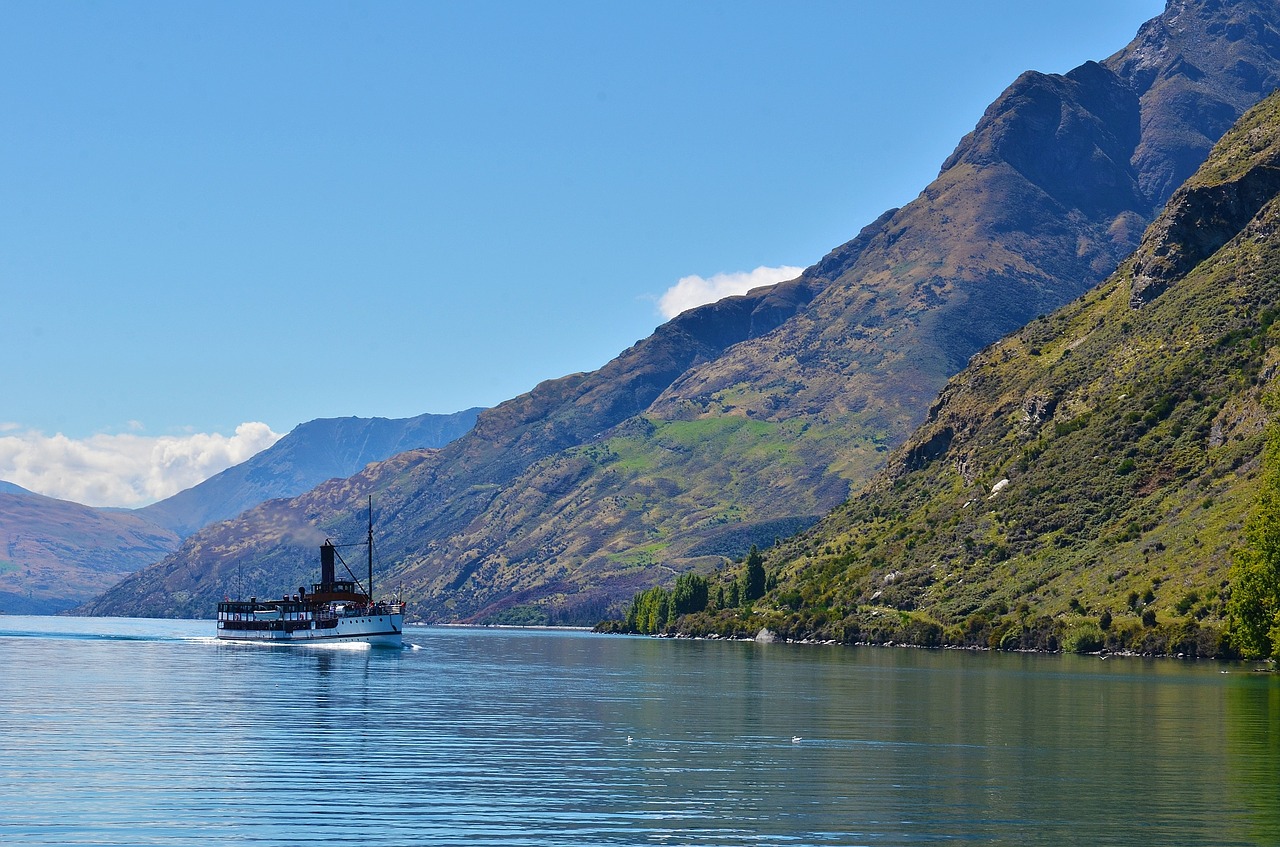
pixel 154 733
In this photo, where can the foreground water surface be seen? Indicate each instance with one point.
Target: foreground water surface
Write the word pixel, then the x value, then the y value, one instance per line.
pixel 133 732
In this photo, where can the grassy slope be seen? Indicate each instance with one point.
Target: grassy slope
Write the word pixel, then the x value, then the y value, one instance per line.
pixel 594 521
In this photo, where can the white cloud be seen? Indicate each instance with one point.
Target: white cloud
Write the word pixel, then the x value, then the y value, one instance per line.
pixel 125 469
pixel 692 291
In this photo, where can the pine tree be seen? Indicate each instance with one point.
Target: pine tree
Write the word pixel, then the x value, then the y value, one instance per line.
pixel 1253 610
pixel 753 579
pixel 690 594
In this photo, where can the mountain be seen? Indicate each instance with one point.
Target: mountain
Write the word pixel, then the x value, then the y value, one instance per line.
pixel 309 454
pixel 57 554
pixel 54 554
pixel 1084 481
pixel 743 421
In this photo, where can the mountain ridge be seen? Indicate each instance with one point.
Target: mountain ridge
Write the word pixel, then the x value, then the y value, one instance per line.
pixel 759 412
pixel 309 454
pixel 55 554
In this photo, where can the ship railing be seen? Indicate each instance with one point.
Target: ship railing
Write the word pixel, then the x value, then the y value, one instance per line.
pixel 364 610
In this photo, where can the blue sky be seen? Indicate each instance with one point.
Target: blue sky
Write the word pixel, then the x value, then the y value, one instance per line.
pixel 214 214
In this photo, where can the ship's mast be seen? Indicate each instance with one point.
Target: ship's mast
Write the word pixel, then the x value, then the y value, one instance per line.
pixel 370 548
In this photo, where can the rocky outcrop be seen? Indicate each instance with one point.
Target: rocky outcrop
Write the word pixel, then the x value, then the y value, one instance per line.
pixel 1196 69
pixel 1199 220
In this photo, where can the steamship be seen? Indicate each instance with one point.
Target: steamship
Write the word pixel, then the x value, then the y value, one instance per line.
pixel 334 611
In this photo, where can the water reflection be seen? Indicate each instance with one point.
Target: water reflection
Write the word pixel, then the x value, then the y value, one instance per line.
pixel 501 737
pixel 1250 735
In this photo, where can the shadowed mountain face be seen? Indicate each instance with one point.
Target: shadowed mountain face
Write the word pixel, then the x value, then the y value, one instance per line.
pixel 1084 481
pixel 742 421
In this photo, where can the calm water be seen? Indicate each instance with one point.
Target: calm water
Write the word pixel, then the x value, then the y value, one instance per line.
pixel 149 732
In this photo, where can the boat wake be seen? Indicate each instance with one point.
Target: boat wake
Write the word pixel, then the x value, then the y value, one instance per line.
pixel 99 629
pixel 341 646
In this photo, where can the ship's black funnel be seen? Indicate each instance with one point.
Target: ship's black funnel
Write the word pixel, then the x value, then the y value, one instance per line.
pixel 326 564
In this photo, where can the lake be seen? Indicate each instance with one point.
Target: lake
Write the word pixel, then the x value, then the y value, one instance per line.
pixel 144 732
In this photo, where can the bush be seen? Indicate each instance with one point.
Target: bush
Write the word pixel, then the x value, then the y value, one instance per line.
pixel 1085 638
pixel 921 632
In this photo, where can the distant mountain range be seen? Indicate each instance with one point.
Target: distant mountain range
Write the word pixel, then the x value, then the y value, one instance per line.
pixel 310 454
pixel 55 554
pixel 1084 482
pixel 741 422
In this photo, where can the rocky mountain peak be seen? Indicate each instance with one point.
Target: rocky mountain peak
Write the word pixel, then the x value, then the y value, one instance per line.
pixel 1072 136
pixel 1196 68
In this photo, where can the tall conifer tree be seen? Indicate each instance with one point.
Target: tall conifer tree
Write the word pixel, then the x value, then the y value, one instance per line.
pixel 1253 610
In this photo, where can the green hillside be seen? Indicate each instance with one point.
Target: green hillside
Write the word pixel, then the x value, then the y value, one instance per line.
pixel 1084 481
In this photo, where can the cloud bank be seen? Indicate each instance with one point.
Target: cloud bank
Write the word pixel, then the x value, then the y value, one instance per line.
pixel 692 291
pixel 126 469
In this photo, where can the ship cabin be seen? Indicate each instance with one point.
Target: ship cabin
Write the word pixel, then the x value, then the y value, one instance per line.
pixel 331 590
pixel 329 599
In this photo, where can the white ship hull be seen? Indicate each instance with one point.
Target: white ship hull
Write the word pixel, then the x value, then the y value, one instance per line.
pixel 377 630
